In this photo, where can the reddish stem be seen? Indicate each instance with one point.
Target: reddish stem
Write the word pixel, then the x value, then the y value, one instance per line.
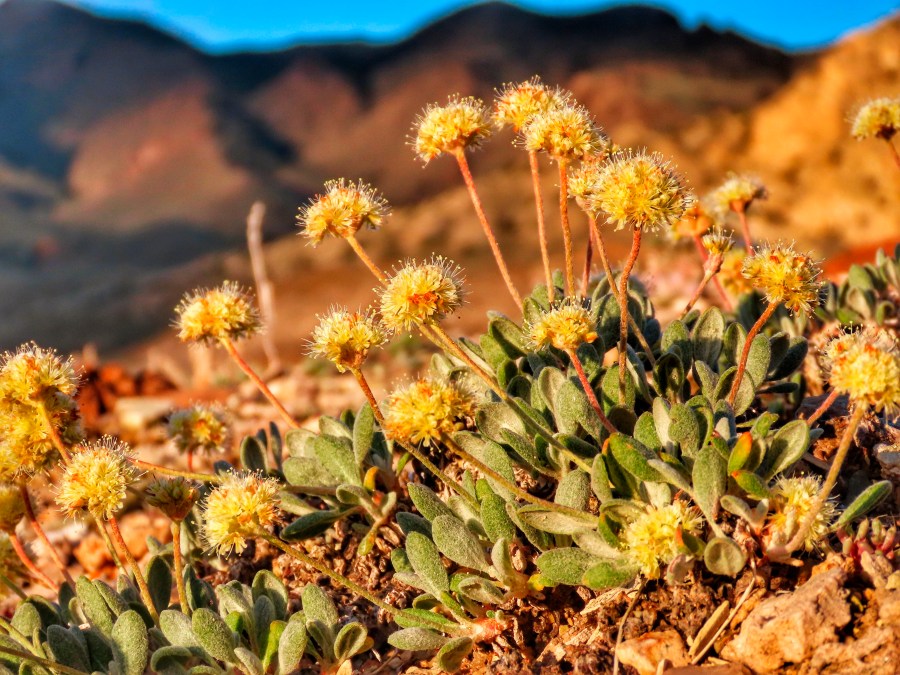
pixel 39 531
pixel 542 228
pixel 824 406
pixel 564 221
pixel 745 353
pixel 586 274
pixel 589 390
pixel 893 151
pixel 36 572
pixel 257 380
pixel 745 228
pixel 623 309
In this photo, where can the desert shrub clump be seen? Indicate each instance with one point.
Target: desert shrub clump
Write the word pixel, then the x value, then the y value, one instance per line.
pixel 579 442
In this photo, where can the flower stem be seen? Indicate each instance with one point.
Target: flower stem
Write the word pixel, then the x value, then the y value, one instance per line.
pixel 745 353
pixel 367 261
pixel 859 412
pixel 586 273
pixel 340 579
pixel 505 482
pixel 623 309
pixel 600 245
pixel 39 531
pixel 55 438
pixel 449 344
pixel 228 344
pixel 412 450
pixel 823 407
pixel 708 274
pixel 589 390
pixel 745 228
pixel 113 552
pixel 726 301
pixel 893 150
pixel 542 228
pixel 36 572
pixel 564 221
pixel 488 231
pixel 178 565
pixel 47 663
pixel 135 570
pixel 169 471
pixel 6 581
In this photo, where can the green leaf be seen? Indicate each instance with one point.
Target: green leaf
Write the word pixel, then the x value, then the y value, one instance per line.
pixel 751 483
pixel 265 583
pixel 685 429
pixel 65 648
pixel 177 628
pixel 307 471
pixel 573 410
pixel 786 449
pixel 427 502
pixel 509 336
pixel 336 455
pixel 540 540
pixel 600 479
pixel 291 647
pixel 574 490
pixel 633 457
pixel 451 655
pixel 426 561
pixel 159 580
pixel 565 565
pixel 710 481
pixel 494 456
pixel 170 660
pixel 746 392
pixel 350 640
pixel 273 634
pixel 478 589
pixel 455 541
pixel 249 662
pixel 416 639
pixel 94 606
pixel 492 418
pixel 363 432
pixel 758 359
pixel 312 524
pixel 497 523
pixel 867 500
pixel 723 556
pixel 253 454
pixel 213 634
pixel 740 453
pixel 707 336
pixel 318 606
pixel 27 619
pixel 609 574
pixel 554 522
pixel 131 644
pixel 329 426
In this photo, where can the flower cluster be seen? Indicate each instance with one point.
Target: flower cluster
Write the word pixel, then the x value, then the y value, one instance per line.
pixel 866 366
pixel 223 313
pixel 640 191
pixel 236 509
pixel 737 193
pixel 461 123
pixel 342 211
pixel 879 118
pixel 566 327
pixel 12 507
pixel 784 276
pixel 792 500
pixel 653 538
pixel 199 428
pixel 565 132
pixel 96 479
pixel 173 496
pixel 428 409
pixel 421 293
pixel 345 338
pixel 517 104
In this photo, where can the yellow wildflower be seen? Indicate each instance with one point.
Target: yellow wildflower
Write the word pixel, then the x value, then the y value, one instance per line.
pixel 342 211
pixel 784 276
pixel 345 338
pixel 96 479
pixel 226 312
pixel 421 293
pixel 565 327
pixel 428 409
pixel 236 508
pixel 461 123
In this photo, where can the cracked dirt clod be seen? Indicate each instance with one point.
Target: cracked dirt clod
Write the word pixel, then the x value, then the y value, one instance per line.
pixel 645 652
pixel 788 628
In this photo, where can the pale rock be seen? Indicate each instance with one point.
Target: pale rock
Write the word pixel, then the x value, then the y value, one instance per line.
pixel 645 652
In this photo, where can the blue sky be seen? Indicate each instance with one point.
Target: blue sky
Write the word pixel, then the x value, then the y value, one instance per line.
pixel 227 25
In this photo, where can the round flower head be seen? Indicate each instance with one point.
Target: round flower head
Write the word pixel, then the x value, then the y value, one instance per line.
pixel 866 366
pixel 698 219
pixel 717 243
pixel 96 479
pixel 234 510
pixel 564 131
pixel 584 181
pixel 173 496
pixel 784 276
pixel 879 118
pixel 342 211
pixel 640 191
pixel 428 409
pixel 737 193
pixel 461 123
pixel 791 501
pixel 652 539
pixel 35 375
pixel 421 293
pixel 516 104
pixel 565 327
pixel 226 312
pixel 12 508
pixel 731 274
pixel 199 428
pixel 26 446
pixel 11 566
pixel 345 338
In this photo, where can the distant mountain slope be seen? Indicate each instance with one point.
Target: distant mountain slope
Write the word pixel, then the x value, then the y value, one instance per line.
pixel 128 159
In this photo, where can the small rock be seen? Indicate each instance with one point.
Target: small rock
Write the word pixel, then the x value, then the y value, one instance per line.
pixel 136 413
pixel 876 569
pixel 725 669
pixel 888 457
pixel 645 652
pixel 788 628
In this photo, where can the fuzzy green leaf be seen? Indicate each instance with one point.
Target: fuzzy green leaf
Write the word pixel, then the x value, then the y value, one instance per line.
pixel 336 455
pixel 723 556
pixel 307 471
pixel 427 502
pixel 609 574
pixel 253 455
pixel 710 481
pixel 318 606
pixel 170 660
pixel 707 336
pixel 758 359
pixel 455 541
pixel 177 628
pixel 746 392
pixel 291 647
pixel 311 524
pixel 554 522
pixel 751 483
pixel 686 429
pixel 267 584
pixel 565 565
pixel 451 655
pixel 65 648
pixel 131 644
pixel 363 432
pixel 633 457
pixel 574 490
pixel 159 580
pixel 478 589
pixel 350 640
pixel 600 479
pixel 573 410
pixel 249 662
pixel 213 634
pixel 416 639
pixel 411 522
pixel 867 500
pixel 786 449
pixel 494 456
pixel 508 335
pixel 426 561
pixel 497 523
pixel 94 606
